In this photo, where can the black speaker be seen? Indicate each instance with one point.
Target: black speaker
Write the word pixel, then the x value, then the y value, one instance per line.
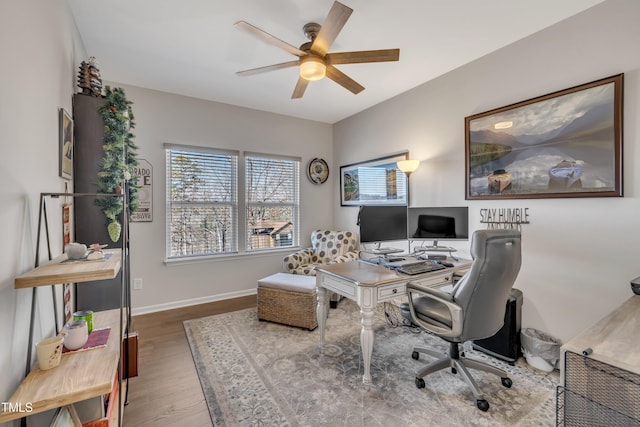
pixel 505 344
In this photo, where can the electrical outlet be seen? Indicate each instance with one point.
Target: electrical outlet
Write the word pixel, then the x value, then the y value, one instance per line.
pixel 137 284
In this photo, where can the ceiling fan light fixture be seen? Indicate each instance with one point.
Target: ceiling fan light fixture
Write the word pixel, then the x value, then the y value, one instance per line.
pixel 312 68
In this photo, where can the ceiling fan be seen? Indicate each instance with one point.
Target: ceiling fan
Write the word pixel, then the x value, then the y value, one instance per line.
pixel 314 61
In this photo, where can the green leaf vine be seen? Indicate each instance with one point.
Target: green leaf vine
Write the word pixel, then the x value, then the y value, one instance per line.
pixel 120 156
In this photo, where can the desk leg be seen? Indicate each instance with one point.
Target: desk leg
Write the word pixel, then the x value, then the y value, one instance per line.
pixel 322 310
pixel 366 341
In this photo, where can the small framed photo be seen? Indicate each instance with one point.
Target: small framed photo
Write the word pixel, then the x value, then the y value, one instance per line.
pixel 66 145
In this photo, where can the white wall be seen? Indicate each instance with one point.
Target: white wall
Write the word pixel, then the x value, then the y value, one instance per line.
pixel 167 118
pixel 580 253
pixel 40 51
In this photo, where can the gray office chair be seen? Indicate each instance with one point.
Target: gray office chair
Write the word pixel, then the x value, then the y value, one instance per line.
pixel 474 309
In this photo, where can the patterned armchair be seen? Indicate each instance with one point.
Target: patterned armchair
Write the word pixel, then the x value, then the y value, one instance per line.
pixel 327 247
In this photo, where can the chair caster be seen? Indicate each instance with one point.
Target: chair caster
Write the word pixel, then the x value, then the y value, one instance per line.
pixel 420 383
pixel 506 381
pixel 483 405
pixel 415 355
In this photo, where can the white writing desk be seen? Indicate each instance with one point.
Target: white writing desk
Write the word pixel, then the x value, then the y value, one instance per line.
pixel 369 284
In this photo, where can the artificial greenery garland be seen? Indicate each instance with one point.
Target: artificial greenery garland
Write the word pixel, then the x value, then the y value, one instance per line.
pixel 119 158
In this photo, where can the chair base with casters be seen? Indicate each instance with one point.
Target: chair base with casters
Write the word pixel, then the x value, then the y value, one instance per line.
pixel 459 364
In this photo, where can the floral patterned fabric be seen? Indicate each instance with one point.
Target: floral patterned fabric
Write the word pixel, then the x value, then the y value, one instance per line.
pixel 327 247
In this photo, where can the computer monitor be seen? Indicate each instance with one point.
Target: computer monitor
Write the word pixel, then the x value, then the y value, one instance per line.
pixel 382 223
pixel 438 223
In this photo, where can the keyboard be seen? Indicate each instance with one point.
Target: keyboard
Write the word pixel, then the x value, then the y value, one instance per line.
pixel 419 267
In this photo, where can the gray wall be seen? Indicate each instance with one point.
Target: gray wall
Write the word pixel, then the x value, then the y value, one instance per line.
pixel 166 118
pixel 579 254
pixel 40 50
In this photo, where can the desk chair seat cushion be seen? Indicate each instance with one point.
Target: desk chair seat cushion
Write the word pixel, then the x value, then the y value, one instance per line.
pixel 432 312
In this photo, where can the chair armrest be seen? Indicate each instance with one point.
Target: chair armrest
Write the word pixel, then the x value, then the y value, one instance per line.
pixel 444 298
pixel 297 259
pixel 349 256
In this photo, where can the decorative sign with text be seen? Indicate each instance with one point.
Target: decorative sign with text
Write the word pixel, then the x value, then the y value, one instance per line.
pixel 144 172
pixel 504 218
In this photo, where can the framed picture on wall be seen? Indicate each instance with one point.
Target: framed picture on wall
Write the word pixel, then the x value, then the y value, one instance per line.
pixel 374 182
pixel 563 144
pixel 66 145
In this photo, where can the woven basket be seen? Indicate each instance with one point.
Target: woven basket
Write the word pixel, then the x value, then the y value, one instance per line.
pixel 287 307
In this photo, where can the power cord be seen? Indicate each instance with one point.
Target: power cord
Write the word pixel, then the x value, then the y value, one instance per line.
pixel 394 318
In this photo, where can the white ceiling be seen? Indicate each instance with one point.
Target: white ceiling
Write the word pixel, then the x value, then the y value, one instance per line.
pixel 190 47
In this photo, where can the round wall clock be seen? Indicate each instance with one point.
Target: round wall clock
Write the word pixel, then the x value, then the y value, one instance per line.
pixel 318 171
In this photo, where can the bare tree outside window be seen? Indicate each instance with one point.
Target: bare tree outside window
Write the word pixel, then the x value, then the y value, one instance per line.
pixel 272 202
pixel 203 202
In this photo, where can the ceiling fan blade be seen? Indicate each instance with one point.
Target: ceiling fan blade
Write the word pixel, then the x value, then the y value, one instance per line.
pixel 363 56
pixel 267 68
pixel 301 86
pixel 329 30
pixel 269 38
pixel 343 80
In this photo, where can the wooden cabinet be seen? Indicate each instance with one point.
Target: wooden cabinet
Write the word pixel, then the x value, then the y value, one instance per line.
pixel 600 371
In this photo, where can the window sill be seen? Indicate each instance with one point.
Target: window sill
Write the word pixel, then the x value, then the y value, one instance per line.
pixel 229 257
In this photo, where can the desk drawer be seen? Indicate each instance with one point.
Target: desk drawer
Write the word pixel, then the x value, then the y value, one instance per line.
pixel 345 289
pixel 434 281
pixel 391 291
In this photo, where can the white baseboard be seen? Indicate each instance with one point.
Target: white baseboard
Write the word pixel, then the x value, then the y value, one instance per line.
pixel 189 302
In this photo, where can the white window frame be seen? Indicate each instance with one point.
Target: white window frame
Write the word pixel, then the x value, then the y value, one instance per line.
pixel 294 203
pixel 240 224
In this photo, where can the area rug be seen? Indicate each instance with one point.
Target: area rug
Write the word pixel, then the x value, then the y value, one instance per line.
pixel 258 373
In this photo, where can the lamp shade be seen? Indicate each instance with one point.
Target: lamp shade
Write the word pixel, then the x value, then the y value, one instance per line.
pixel 408 166
pixel 312 67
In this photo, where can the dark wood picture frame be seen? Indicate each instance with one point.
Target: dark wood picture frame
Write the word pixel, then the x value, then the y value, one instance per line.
pixel 65 145
pixel 384 182
pixel 563 144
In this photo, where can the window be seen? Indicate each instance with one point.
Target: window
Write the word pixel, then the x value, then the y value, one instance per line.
pixel 210 213
pixel 272 201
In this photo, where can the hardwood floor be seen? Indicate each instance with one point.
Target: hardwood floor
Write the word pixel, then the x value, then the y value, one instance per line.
pixel 167 391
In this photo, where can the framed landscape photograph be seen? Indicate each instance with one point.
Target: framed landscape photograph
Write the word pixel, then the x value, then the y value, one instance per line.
pixel 66 145
pixel 564 144
pixel 374 182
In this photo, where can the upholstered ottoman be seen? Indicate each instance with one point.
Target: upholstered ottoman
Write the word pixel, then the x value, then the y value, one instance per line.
pixel 289 299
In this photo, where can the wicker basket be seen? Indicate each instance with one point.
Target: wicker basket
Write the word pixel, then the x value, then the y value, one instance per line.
pixel 287 307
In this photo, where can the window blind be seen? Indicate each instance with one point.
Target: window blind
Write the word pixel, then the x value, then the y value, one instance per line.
pixel 202 202
pixel 272 201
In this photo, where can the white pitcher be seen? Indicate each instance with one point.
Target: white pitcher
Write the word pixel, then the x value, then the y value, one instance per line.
pixel 75 334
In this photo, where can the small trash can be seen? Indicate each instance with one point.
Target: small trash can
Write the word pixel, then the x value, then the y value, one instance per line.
pixel 540 350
